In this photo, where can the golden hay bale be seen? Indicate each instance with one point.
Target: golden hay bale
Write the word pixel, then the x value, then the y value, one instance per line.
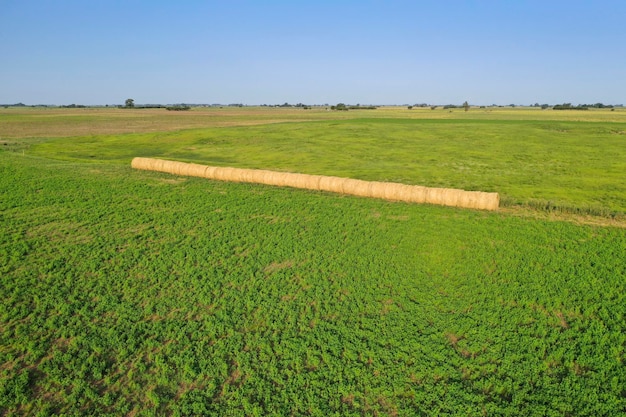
pixel 375 189
pixel 170 167
pixel 417 194
pixel 332 184
pixel 436 196
pixel 452 197
pixel 223 174
pixel 209 172
pixel 175 167
pixel 195 170
pixel 466 199
pixel 245 175
pixel 273 178
pixel 296 180
pixel 141 163
pixel 254 176
pixel 285 178
pixel 148 164
pixel 160 165
pixel 397 192
pixel 261 176
pixel 239 175
pixel 389 191
pixel 414 194
pixel 304 181
pixel 487 201
pixel 349 186
pixel 361 188
pixel 314 181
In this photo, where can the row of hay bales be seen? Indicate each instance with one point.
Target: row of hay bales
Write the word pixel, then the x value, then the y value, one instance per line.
pixel 386 190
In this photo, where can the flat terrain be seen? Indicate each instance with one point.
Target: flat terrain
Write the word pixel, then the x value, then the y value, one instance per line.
pixel 140 293
pixel 55 122
pixel 556 161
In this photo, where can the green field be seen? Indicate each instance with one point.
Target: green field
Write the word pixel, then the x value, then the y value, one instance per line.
pixel 138 293
pixel 573 166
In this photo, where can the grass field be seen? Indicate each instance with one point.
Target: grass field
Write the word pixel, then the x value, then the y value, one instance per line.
pixel 139 293
pixel 551 162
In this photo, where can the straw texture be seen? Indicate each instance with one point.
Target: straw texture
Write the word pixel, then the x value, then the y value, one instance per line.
pixel 374 189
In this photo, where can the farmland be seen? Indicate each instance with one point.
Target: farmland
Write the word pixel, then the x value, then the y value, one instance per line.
pixel 142 293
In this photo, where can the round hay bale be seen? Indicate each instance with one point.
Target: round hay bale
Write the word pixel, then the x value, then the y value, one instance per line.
pixel 140 163
pixel 465 199
pixel 223 173
pixel 272 178
pixel 209 172
pixel 172 167
pixel 254 176
pixel 487 201
pixel 314 182
pixel 304 181
pixel 361 188
pixel 349 186
pixel 160 165
pixel 331 184
pixel 246 175
pixel 375 189
pixel 195 170
pixel 436 196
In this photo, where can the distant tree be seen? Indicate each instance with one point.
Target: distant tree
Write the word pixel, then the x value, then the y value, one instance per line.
pixel 340 106
pixel 466 106
pixel 129 103
pixel 568 106
pixel 409 107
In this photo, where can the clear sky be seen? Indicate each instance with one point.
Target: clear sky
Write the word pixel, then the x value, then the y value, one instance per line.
pixel 314 52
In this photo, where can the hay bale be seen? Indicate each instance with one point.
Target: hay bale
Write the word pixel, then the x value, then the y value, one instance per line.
pixel 350 186
pixel 223 173
pixel 377 189
pixel 417 194
pixel 178 168
pixel 141 163
pixel 246 175
pixel 209 172
pixel 269 178
pixel 362 188
pixel 487 201
pixel 386 190
pixel 331 184
pixel 304 181
pixel 436 196
pixel 195 170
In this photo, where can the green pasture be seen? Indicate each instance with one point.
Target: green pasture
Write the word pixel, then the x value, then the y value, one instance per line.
pixel 574 166
pixel 127 292
pixel 136 293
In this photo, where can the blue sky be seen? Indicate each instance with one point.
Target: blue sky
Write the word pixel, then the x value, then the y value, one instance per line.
pixel 314 52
